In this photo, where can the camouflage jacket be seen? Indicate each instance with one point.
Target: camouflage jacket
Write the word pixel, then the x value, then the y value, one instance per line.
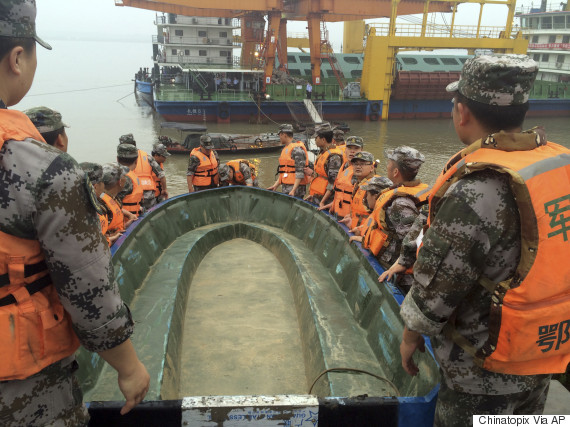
pixel 44 196
pixel 194 162
pixel 332 166
pixel 400 216
pixel 298 155
pixel 476 231
pixel 409 247
pixel 245 170
pixel 127 189
pixel 156 169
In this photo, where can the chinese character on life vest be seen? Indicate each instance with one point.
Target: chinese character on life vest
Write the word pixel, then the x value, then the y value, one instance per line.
pixel 550 334
pixel 556 208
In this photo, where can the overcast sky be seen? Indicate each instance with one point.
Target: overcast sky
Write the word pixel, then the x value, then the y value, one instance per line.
pixel 101 19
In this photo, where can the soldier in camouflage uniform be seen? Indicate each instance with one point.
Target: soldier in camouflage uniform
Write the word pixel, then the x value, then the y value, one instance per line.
pixel 299 156
pixel 227 175
pixel 49 124
pixel 475 232
pixel 46 202
pixel 338 137
pixel 403 165
pixel 149 196
pixel 206 148
pixel 326 144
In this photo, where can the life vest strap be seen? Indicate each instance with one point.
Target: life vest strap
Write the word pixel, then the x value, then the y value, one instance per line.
pixel 29 270
pixel 32 288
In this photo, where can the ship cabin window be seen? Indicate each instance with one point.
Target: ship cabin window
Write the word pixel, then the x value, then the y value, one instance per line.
pixel 536 57
pixel 566 39
pixel 220 21
pixel 409 61
pixel 431 61
pixel 449 61
pixel 551 39
pixel 535 39
pixel 223 53
pixel 356 73
pixel 174 52
pixel 463 60
pixel 568 21
pixel 202 34
pixel 292 59
pixel 294 72
pixel 546 23
pixel 305 59
pixel 560 59
pixel 533 23
pixel 203 52
pixel 352 59
pixel 187 52
pixel 545 57
pixel 559 22
pixel 178 32
pixel 223 34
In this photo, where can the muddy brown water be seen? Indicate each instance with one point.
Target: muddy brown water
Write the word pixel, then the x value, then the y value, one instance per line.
pixel 241 334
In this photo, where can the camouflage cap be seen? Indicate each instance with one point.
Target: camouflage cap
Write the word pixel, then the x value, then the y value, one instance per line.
pixel 45 119
pixel 161 150
pixel 377 183
pixel 406 156
pixel 497 79
pixel 112 173
pixel 94 171
pixel 18 19
pixel 322 128
pixel 127 151
pixel 127 139
pixel 206 142
pixel 338 135
pixel 286 128
pixel 363 155
pixel 355 141
pixel 224 172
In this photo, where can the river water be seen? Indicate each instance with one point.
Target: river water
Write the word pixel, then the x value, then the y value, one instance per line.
pixel 90 83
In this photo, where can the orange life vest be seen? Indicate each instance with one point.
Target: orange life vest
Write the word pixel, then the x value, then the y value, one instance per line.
pixel 157 184
pixel 35 330
pixel 144 171
pixel 117 218
pixel 530 312
pixel 238 176
pixel 287 164
pixel 377 236
pixel 132 202
pixel 206 173
pixel 343 188
pixel 320 181
pixel 359 212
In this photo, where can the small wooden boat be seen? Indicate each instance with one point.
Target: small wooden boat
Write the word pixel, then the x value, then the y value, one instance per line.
pixel 223 143
pixel 252 306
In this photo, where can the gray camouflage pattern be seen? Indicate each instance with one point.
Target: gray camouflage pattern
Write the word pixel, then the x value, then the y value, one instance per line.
pixel 94 171
pixel 300 192
pixel 377 183
pixel 476 231
pixel 52 397
pixel 112 173
pixel 456 409
pixel 161 150
pixel 49 202
pixel 127 151
pixel 45 119
pixel 406 156
pixel 127 189
pixel 18 19
pixel 332 166
pixel 245 170
pixel 363 155
pixel 338 136
pixel 285 128
pixel 409 247
pixel 127 139
pixel 503 79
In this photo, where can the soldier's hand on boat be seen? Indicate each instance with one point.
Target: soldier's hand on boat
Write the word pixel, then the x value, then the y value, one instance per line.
pixel 272 188
pixel 308 197
pixel 388 274
pixel 345 220
pixel 325 207
pixel 411 341
pixel 134 386
pixel 164 194
pixel 355 239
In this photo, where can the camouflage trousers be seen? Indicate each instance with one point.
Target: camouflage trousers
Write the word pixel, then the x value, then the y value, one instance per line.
pixel 301 190
pixel 148 200
pixel 456 409
pixel 52 397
